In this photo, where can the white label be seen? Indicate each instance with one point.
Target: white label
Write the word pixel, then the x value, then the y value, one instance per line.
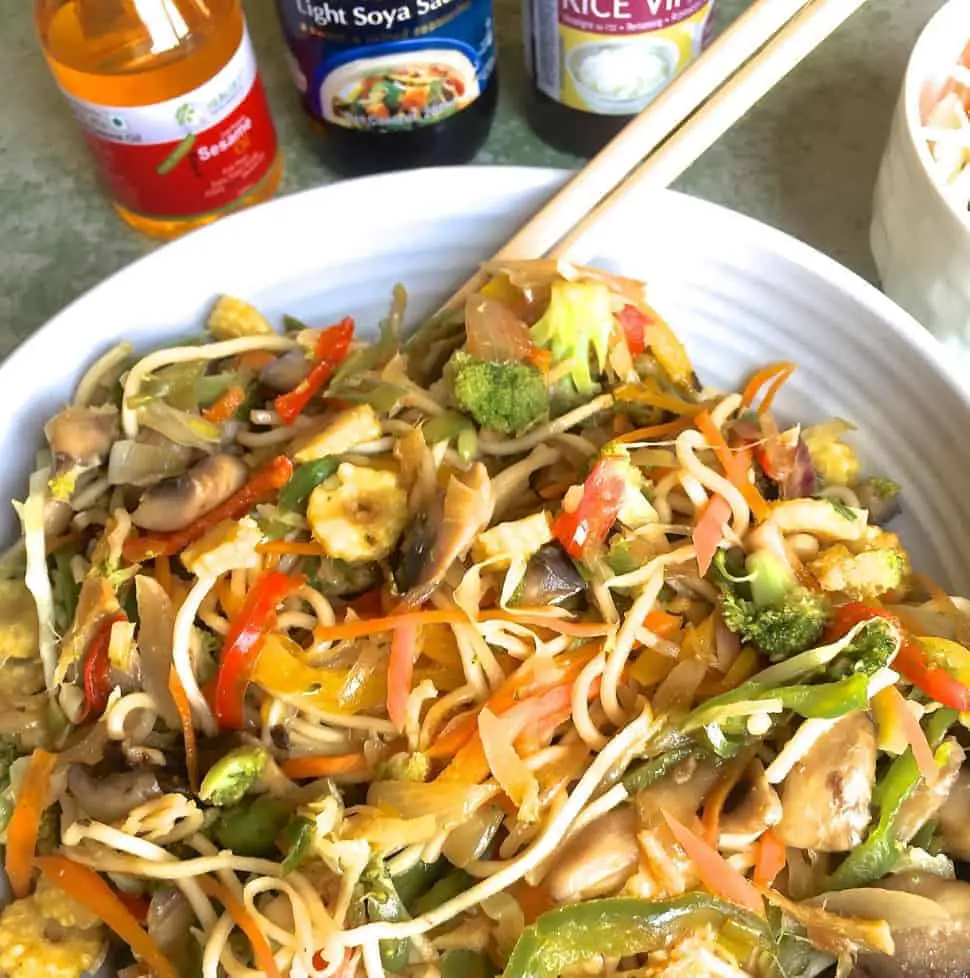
pixel 177 117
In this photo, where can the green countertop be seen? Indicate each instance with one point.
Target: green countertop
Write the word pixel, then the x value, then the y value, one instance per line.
pixel 804 160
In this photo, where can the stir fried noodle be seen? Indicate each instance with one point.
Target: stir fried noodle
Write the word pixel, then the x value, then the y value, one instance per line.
pixel 506 648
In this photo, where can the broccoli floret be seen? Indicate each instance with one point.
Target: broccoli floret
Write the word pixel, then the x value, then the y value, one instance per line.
pixel 873 647
pixel 769 608
pixel 507 397
pixel 576 326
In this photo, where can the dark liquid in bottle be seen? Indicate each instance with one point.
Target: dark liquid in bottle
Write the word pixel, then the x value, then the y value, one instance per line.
pixel 454 140
pixel 570 130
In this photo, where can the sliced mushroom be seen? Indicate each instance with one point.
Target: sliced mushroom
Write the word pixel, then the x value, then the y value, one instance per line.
pixel 954 818
pixel 444 534
pixel 285 372
pixel 175 503
pixel 927 800
pixel 756 809
pixel 57 517
pixel 826 798
pixel 598 860
pixel 81 436
pixel 679 794
pixel 169 920
pixel 550 578
pixel 930 922
pixel 111 797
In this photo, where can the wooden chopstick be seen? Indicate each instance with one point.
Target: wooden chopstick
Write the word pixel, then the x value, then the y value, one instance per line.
pixel 755 79
pixel 629 152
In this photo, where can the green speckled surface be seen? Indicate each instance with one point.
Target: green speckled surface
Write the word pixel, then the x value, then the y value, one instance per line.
pixel 804 160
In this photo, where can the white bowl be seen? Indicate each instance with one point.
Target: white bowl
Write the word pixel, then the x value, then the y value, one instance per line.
pixel 920 237
pixel 739 293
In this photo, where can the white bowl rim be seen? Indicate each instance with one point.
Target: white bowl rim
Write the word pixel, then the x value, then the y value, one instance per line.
pixel 913 80
pixel 770 239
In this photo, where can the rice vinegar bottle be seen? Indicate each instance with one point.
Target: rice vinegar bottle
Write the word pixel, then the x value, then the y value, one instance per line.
pixel 170 103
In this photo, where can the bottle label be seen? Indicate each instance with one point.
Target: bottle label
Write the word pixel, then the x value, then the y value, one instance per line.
pixel 189 156
pixel 388 65
pixel 612 57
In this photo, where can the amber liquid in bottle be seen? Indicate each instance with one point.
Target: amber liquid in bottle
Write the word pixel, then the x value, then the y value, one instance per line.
pixel 135 53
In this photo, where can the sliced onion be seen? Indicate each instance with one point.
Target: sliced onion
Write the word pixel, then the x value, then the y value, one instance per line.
pixel 517 781
pixel 447 802
pixel 156 619
pixel 901 910
pixel 471 839
pixel 494 332
pixel 180 426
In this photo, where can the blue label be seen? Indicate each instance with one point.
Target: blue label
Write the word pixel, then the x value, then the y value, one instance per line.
pixel 389 64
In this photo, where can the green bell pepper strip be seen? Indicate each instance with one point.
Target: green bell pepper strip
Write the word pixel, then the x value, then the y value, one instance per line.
pixel 825 700
pixel 296 840
pixel 417 880
pixel 377 900
pixel 644 775
pixel 938 723
pixel 881 849
pixel 465 964
pixel 448 887
pixel 305 479
pixel 617 927
pixel 250 829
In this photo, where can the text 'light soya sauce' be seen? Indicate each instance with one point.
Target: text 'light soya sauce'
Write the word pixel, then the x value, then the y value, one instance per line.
pixel 595 64
pixel 393 84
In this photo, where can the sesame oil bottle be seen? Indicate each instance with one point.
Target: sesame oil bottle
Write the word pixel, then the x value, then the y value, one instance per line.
pixel 170 103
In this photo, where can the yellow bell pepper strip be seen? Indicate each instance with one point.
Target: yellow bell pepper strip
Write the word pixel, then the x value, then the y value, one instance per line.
pixel 244 641
pixel 324 766
pixel 332 346
pixel 717 875
pixel 184 709
pixel 263 484
pixel 400 670
pixel 89 889
pixel 32 800
pixel 244 921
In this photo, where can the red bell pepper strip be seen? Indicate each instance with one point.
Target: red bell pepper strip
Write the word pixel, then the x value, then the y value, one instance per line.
pixel 331 348
pixel 97 669
pixel 255 620
pixel 634 324
pixel 589 524
pixel 912 662
pixel 264 483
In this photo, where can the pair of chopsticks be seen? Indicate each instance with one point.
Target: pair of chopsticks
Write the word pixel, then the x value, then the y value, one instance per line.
pixel 693 112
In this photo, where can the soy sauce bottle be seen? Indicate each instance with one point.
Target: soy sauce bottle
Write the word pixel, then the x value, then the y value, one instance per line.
pixel 595 64
pixel 394 84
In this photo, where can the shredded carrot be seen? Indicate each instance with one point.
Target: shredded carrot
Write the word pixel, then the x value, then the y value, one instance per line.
pixel 709 531
pixel 89 889
pixel 655 431
pixel 772 392
pixel 372 626
pixel 562 626
pixel 758 380
pixel 245 922
pixel 714 871
pixel 734 467
pixel 177 692
pixel 255 359
pixel 913 732
pixel 32 800
pixel 298 548
pixel 770 859
pixel 716 799
pixel 400 669
pixel 226 406
pixel 163 574
pixel 323 765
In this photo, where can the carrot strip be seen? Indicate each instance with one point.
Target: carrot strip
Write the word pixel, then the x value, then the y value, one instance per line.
pixel 913 732
pixel 177 692
pixel 577 629
pixel 372 626
pixel 772 392
pixel 655 431
pixel 298 548
pixel 323 765
pixel 226 406
pixel 714 803
pixel 400 669
pixel 261 949
pixel 709 531
pixel 716 874
pixel 770 859
pixel 638 394
pixel 735 470
pixel 762 377
pixel 89 889
pixel 255 359
pixel 24 825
